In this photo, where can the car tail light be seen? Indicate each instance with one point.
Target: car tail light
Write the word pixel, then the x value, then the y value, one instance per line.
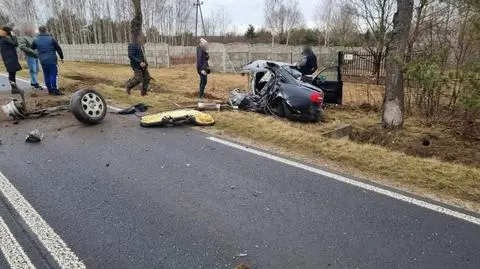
pixel 316 98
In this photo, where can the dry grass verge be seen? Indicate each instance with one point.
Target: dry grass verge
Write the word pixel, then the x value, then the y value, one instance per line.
pixel 177 86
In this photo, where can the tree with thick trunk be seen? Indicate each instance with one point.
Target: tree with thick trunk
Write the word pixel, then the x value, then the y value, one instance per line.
pixel 393 106
pixel 136 24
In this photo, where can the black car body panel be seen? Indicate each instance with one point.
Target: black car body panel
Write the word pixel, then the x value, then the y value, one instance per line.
pixel 274 90
pixel 329 80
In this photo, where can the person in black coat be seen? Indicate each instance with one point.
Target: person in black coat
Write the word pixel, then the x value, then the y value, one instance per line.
pixel 203 68
pixel 8 50
pixel 308 65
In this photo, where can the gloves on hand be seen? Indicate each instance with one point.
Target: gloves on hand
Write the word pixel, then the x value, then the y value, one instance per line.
pixel 203 72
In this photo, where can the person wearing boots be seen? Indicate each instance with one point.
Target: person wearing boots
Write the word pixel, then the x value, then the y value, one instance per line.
pixel 138 62
pixel 48 48
pixel 203 68
pixel 8 50
pixel 25 43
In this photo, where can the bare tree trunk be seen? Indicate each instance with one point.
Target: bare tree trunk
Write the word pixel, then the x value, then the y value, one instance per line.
pixel 394 103
pixel 136 24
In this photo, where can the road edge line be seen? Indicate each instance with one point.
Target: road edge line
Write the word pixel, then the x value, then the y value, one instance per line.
pixel 369 187
pixel 12 250
pixel 53 246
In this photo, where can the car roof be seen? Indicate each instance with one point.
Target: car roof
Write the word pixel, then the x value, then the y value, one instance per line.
pixel 261 66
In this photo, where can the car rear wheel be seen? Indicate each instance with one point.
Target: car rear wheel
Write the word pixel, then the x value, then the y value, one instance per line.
pixel 283 109
pixel 88 106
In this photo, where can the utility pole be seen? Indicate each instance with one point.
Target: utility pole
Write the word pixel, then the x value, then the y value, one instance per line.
pixel 198 7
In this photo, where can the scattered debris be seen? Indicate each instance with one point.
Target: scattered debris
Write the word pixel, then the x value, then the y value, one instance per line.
pixel 242 266
pixel 107 165
pixel 15 109
pixel 34 136
pixel 242 255
pixel 232 187
pixel 209 106
pixel 140 107
pixel 177 117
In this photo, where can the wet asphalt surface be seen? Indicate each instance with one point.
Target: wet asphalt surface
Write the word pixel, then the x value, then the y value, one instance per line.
pixel 122 196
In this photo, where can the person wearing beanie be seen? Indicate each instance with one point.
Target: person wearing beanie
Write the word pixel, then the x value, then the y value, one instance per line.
pixel 203 68
pixel 8 50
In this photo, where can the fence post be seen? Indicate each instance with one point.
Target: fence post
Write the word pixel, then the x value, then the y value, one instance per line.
pixel 224 59
pixel 114 53
pixel 249 53
pixel 168 55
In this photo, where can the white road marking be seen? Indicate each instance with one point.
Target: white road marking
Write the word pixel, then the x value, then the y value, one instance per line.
pixel 51 241
pixel 20 79
pixel 353 182
pixel 11 249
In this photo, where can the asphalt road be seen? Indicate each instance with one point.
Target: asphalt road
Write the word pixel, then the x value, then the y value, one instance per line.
pixel 121 196
pixel 5 84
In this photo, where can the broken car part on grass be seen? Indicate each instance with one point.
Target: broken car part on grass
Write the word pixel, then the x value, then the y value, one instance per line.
pixel 274 90
pixel 177 117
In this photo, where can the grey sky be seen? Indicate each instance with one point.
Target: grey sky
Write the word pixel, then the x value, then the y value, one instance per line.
pixel 245 12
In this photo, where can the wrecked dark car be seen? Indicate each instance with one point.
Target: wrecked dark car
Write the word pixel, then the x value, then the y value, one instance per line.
pixel 274 90
pixel 329 80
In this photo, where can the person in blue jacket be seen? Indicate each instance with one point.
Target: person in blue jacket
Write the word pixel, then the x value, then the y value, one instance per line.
pixel 203 68
pixel 48 48
pixel 138 62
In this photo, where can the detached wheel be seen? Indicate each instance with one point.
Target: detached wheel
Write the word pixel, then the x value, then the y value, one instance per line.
pixel 88 106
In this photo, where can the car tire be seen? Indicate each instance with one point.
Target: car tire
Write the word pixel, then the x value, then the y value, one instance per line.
pixel 88 106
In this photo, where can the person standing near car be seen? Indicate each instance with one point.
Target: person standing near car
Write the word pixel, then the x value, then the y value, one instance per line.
pixel 47 48
pixel 138 62
pixel 8 50
pixel 308 65
pixel 25 45
pixel 203 68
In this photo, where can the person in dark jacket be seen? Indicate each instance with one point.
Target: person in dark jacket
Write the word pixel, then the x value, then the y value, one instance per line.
pixel 8 50
pixel 47 48
pixel 308 65
pixel 203 68
pixel 138 62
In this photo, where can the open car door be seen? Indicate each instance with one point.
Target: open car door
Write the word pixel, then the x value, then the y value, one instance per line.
pixel 330 81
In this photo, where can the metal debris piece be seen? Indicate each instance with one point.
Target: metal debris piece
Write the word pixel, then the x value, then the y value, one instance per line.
pixel 34 136
pixel 208 106
pixel 242 255
pixel 14 109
